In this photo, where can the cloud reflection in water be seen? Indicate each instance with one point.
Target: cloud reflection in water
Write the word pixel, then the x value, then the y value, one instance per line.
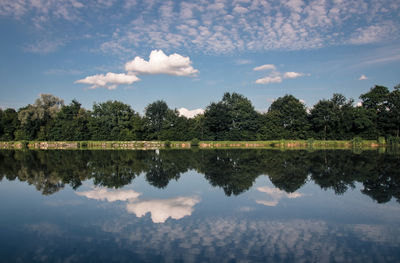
pixel 275 195
pixel 160 209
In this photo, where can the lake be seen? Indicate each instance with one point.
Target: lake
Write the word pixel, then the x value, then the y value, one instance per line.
pixel 199 206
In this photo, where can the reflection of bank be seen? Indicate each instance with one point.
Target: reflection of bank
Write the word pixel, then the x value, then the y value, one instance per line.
pixel 160 209
pixel 275 195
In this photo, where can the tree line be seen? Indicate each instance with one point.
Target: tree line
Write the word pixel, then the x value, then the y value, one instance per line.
pixel 233 171
pixel 231 118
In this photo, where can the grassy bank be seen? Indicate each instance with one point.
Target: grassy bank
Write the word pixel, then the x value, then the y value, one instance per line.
pixel 151 145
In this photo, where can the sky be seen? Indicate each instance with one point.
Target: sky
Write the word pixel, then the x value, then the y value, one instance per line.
pixel 189 53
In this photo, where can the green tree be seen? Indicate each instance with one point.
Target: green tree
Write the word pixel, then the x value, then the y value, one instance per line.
pixel 157 116
pixel 9 123
pixel 233 118
pixel 393 113
pixel 293 117
pixel 71 123
pixel 36 119
pixel 111 120
pixel 376 101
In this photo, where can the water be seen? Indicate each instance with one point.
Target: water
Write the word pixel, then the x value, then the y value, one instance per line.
pixel 199 206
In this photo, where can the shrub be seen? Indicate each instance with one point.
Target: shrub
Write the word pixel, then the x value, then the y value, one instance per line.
pixel 194 142
pixel 393 141
pixel 381 141
pixel 24 143
pixel 357 141
pixel 167 144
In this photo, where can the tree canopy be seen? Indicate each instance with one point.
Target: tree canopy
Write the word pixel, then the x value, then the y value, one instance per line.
pixel 231 118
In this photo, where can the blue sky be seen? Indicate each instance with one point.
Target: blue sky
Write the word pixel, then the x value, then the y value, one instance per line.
pixel 189 53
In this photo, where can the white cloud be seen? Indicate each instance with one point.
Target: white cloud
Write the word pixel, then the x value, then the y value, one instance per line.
pixel 190 113
pixel 162 209
pixel 362 77
pixel 240 10
pixel 111 196
pixel 159 63
pixel 268 80
pixel 243 61
pixel 272 25
pixel 372 34
pixel 275 76
pixel 275 195
pixel 43 46
pixel 109 81
pixel 265 67
pixel 292 75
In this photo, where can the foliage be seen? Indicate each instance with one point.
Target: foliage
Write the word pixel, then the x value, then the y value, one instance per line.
pixel 194 142
pixel 232 118
pixel 232 171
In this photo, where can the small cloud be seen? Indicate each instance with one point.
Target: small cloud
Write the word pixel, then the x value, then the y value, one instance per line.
pixel 63 72
pixel 109 81
pixel 240 10
pixel 362 77
pixel 243 61
pixel 159 63
pixel 292 75
pixel 190 113
pixel 111 196
pixel 268 80
pixel 265 67
pixel 43 47
pixel 372 34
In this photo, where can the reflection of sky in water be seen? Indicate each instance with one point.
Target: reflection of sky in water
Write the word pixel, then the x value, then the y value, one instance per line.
pixel 192 221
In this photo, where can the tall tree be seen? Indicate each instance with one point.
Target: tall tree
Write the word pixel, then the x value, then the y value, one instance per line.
pixel 71 123
pixel 393 114
pixel 376 101
pixel 157 114
pixel 233 118
pixel 9 123
pixel 111 120
pixel 293 116
pixel 36 119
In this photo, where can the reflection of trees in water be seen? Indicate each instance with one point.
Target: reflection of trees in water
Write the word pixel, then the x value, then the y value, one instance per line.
pixel 233 170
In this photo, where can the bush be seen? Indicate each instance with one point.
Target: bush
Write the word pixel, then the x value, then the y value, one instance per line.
pixel 83 144
pixel 393 141
pixel 24 143
pixel 310 142
pixel 194 142
pixel 167 144
pixel 381 141
pixel 357 141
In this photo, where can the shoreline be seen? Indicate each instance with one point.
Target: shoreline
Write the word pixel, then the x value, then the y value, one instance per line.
pixel 154 145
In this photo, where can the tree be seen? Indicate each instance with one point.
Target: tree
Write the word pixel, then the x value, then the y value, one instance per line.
pixel 8 124
pixel 111 120
pixel 293 116
pixel 323 119
pixel 156 115
pixel 376 101
pixel 233 118
pixel 71 123
pixel 393 113
pixel 36 119
pixel 217 121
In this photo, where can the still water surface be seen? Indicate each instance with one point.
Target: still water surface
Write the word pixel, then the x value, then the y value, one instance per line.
pixel 199 206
